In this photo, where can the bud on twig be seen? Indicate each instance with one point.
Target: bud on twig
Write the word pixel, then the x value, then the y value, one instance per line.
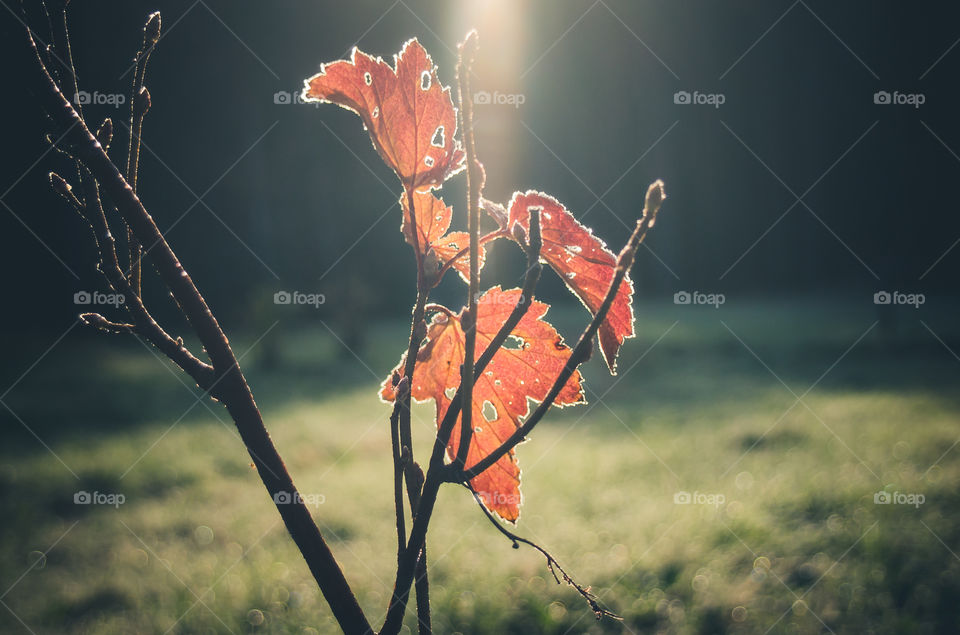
pixel 403 387
pixel 496 211
pixel 654 199
pixel 64 189
pixel 105 133
pixel 519 235
pixel 151 30
pixel 142 104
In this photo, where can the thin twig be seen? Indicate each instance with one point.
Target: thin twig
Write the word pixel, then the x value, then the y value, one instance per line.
pixel 584 345
pixel 139 105
pixel 92 212
pixel 486 238
pixel 468 50
pixel 552 563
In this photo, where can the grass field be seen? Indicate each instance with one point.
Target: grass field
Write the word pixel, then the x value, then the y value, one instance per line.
pixel 782 420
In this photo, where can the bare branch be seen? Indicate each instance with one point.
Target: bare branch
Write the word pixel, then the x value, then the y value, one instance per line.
pixel 232 388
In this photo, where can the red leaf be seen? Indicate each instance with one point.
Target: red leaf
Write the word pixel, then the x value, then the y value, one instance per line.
pixel 409 115
pixel 501 392
pixel 583 261
pixel 433 220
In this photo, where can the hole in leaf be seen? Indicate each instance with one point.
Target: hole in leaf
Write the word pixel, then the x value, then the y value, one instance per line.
pixel 368 78
pixel 428 161
pixel 438 138
pixel 489 411
pixel 376 112
pixel 425 80
pixel 450 392
pixel 513 343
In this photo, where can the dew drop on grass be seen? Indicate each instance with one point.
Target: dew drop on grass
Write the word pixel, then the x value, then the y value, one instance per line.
pixel 37 559
pixel 203 535
pixel 255 617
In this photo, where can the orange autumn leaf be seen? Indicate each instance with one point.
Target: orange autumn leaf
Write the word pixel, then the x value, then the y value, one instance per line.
pixel 583 261
pixel 408 113
pixel 522 371
pixel 433 218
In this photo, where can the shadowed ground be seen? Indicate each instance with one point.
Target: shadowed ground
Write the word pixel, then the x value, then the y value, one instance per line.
pixel 706 403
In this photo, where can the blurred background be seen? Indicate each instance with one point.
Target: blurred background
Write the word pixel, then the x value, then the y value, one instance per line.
pixel 797 349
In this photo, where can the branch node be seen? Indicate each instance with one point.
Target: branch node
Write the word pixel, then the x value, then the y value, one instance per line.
pixel 105 133
pixel 99 322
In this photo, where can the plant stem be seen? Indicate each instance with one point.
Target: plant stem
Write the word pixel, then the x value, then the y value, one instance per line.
pixel 468 51
pixel 436 472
